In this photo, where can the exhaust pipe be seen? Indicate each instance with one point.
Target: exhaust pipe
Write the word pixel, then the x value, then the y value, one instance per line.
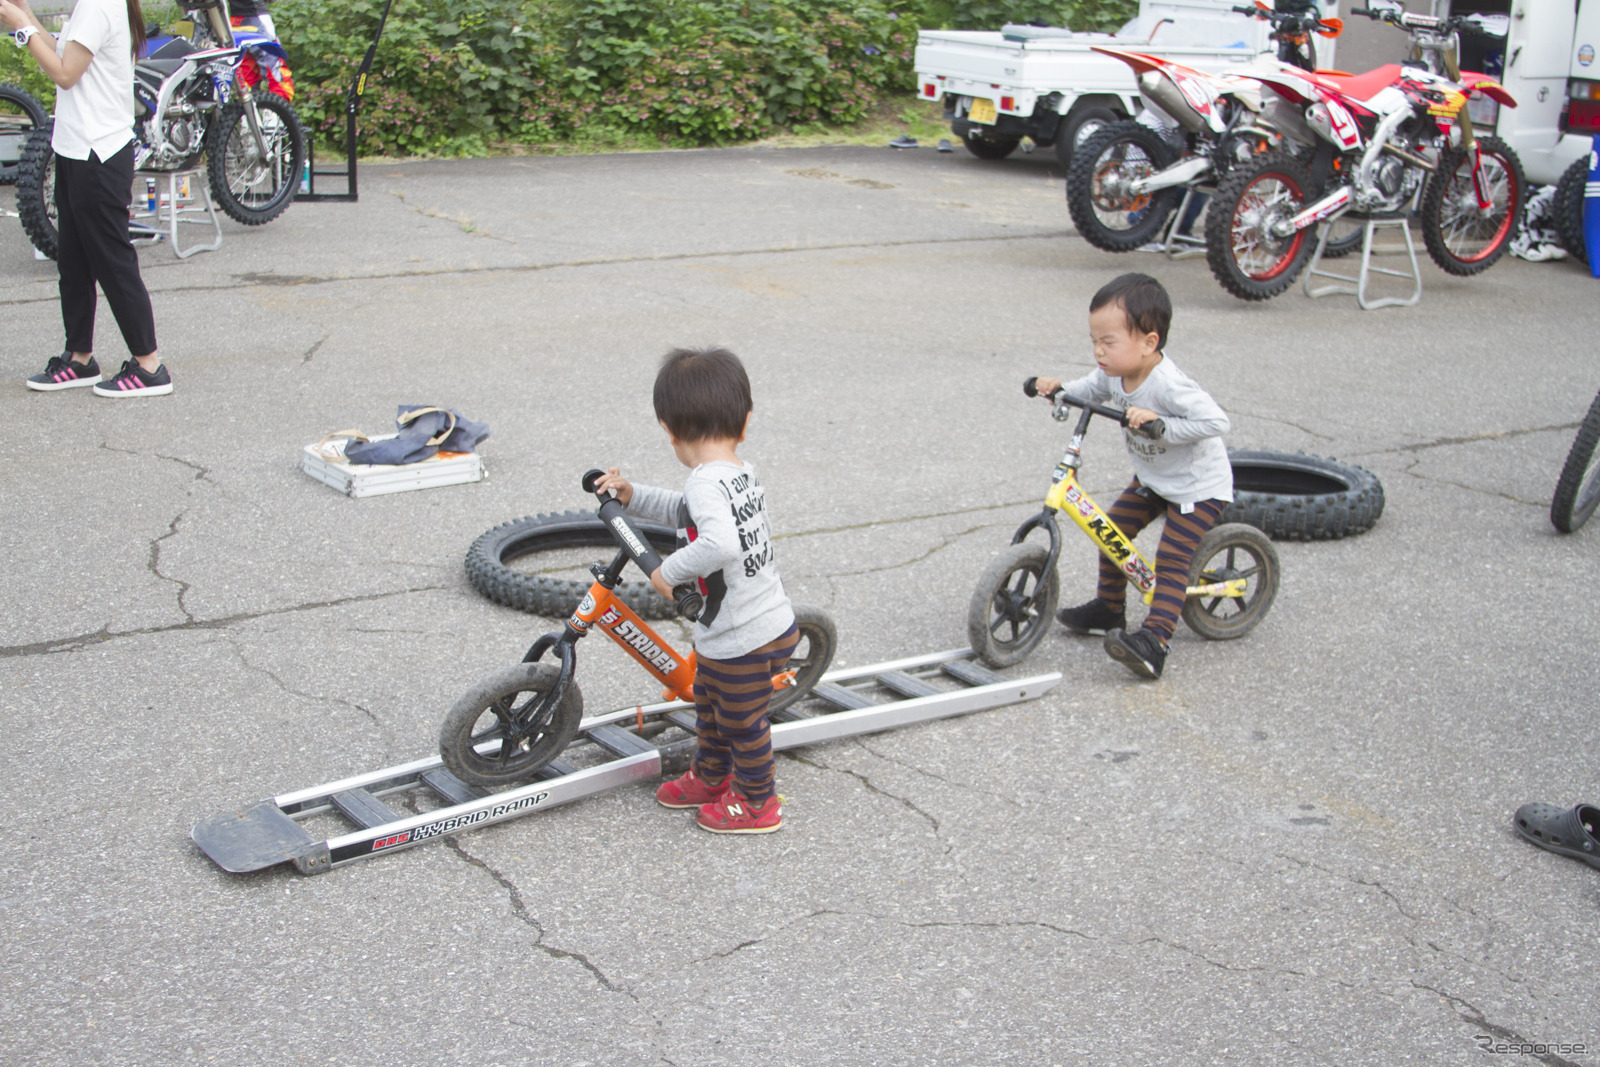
pixel 1161 91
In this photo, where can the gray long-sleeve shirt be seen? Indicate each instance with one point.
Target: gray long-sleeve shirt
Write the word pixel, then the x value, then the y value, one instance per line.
pixel 725 544
pixel 1190 463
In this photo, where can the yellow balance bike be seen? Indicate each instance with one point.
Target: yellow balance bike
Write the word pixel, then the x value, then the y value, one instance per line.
pixel 1233 577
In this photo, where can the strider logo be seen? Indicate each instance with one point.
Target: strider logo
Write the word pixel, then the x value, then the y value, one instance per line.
pixel 621 526
pixel 630 635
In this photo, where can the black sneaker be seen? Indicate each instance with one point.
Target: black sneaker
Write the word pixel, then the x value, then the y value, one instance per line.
pixel 1095 617
pixel 1139 651
pixel 134 380
pixel 62 373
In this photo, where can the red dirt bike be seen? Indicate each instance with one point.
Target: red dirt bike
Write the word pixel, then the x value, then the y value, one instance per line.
pixel 1380 139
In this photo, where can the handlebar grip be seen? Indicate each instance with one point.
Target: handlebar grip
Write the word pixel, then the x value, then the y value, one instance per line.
pixel 690 602
pixel 1030 387
pixel 1155 429
pixel 1367 11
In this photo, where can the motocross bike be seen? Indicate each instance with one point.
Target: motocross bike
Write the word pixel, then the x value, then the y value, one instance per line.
pixel 1381 139
pixel 188 101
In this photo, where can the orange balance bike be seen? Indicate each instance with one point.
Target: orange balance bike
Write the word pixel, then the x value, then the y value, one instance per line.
pixel 518 719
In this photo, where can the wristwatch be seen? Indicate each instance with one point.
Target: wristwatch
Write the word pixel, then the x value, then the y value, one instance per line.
pixel 22 35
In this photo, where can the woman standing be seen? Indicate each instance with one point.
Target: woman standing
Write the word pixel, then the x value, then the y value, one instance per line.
pixel 92 64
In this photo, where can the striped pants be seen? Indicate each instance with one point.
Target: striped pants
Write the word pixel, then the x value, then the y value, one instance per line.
pixel 730 704
pixel 1135 509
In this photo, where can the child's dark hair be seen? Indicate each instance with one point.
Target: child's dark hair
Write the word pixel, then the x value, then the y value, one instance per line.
pixel 1146 303
pixel 702 393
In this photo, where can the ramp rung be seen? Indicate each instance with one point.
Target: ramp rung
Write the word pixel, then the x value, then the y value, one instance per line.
pixel 906 685
pixel 554 769
pixel 965 670
pixel 364 809
pixel 620 742
pixel 839 696
pixel 449 787
pixel 683 720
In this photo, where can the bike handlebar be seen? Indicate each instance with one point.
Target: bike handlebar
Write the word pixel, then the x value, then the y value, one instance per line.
pixel 1409 21
pixel 628 538
pixel 1155 429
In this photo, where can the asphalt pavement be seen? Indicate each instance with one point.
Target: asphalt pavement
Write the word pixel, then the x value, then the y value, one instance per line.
pixel 1294 848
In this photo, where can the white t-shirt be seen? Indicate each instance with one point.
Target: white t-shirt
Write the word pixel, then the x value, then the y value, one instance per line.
pixel 97 113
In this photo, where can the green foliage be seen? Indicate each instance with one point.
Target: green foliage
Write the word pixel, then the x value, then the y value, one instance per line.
pixel 454 79
pixel 18 68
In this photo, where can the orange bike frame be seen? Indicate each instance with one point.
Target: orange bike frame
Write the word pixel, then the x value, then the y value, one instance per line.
pixel 603 611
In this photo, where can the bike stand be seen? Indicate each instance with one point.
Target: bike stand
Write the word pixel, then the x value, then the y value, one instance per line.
pixel 1182 245
pixel 171 210
pixel 1371 225
pixel 605 754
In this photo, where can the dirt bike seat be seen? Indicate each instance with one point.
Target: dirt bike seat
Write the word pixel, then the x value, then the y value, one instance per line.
pixel 1361 86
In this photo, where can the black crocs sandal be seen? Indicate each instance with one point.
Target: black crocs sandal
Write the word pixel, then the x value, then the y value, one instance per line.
pixel 1574 833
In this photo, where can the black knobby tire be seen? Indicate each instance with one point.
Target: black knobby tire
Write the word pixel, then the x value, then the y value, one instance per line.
pixel 1081 124
pixel 1298 497
pixel 1460 240
pixel 1231 551
pixel 1012 606
pixel 1566 208
pixel 250 188
pixel 555 598
pixel 1348 233
pixel 36 190
pixel 477 718
pixel 1245 256
pixel 1105 214
pixel 1578 488
pixel 812 655
pixel 20 115
pixel 990 147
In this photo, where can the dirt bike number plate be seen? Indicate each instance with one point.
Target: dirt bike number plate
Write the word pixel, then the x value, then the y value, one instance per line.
pixel 982 111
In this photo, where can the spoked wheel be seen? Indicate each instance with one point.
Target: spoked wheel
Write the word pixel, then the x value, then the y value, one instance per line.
pixel 251 184
pixel 1578 489
pixel 1463 237
pixel 492 710
pixel 1107 214
pixel 1012 606
pixel 20 115
pixel 1247 257
pixel 1232 551
pixel 811 656
pixel 36 190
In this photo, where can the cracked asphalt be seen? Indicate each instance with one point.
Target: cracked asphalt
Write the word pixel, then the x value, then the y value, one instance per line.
pixel 1295 848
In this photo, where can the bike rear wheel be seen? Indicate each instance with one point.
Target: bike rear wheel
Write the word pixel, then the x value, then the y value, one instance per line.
pixel 1106 214
pixel 811 657
pixel 1227 552
pixel 1012 606
pixel 1578 488
pixel 36 190
pixel 490 709
pixel 20 115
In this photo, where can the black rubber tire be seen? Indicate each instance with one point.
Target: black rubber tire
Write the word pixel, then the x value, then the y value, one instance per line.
pixel 1232 550
pixel 1346 242
pixel 1081 123
pixel 466 725
pixel 1578 488
pixel 1297 497
pixel 230 160
pixel 987 148
pixel 1566 209
pixel 812 656
pixel 1444 218
pixel 1120 150
pixel 36 190
pixel 554 598
pixel 20 115
pixel 1234 219
pixel 1010 596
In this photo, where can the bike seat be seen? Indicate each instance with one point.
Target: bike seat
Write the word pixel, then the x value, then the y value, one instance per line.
pixel 1361 86
pixel 176 48
pixel 163 67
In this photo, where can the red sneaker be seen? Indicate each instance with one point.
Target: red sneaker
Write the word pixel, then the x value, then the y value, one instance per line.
pixel 733 814
pixel 687 791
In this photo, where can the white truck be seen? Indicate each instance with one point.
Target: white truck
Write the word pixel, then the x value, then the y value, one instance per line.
pixel 1048 84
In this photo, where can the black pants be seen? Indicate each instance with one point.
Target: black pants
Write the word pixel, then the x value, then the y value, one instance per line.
pixel 92 219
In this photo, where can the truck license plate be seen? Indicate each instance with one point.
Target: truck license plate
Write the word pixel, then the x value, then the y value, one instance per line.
pixel 982 111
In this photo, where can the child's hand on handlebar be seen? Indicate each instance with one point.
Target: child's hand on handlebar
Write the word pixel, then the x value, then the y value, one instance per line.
pixel 1137 417
pixel 616 483
pixel 1046 386
pixel 658 583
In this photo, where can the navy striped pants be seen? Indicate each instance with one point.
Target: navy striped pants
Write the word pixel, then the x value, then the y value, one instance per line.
pixel 1135 509
pixel 730 704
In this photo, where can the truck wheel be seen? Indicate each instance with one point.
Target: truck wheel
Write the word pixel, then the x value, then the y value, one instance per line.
pixel 1081 124
pixel 1106 214
pixel 990 148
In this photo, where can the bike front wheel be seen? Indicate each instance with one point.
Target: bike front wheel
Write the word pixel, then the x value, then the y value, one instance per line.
pixel 254 182
pixel 1232 552
pixel 811 657
pixel 1578 489
pixel 1463 238
pixel 1012 606
pixel 1248 258
pixel 474 739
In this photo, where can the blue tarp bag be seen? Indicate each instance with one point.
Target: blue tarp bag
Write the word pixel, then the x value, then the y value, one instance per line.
pixel 424 432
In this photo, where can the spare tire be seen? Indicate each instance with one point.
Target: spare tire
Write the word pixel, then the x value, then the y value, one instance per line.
pixel 490 554
pixel 1295 496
